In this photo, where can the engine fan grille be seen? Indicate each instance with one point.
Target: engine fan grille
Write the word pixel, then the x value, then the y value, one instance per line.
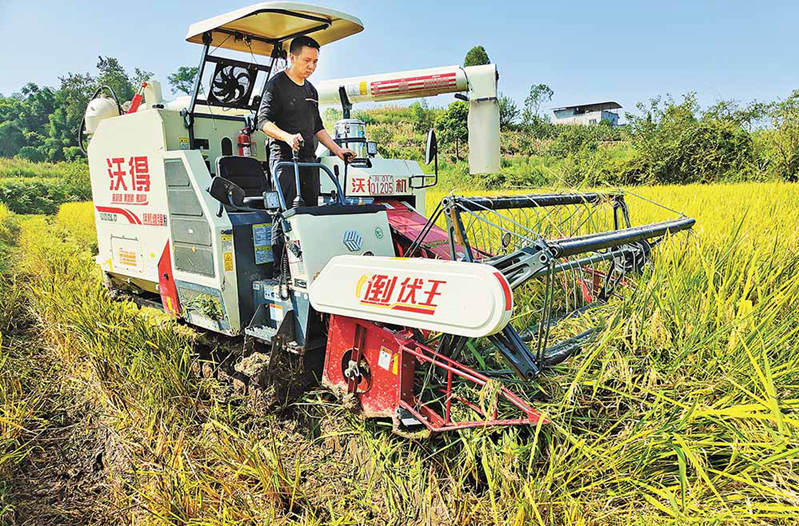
pixel 231 86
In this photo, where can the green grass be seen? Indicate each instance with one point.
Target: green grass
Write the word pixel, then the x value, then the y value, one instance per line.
pixel 683 411
pixel 40 188
pixel 8 231
pixel 16 168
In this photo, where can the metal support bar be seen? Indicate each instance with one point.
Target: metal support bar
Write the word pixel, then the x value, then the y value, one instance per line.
pixel 560 351
pixel 530 200
pixel 327 170
pixel 457 232
pixel 593 242
pixel 516 352
pixel 188 119
pixel 523 264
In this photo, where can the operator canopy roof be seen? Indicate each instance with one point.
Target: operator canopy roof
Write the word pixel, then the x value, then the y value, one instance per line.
pixel 257 28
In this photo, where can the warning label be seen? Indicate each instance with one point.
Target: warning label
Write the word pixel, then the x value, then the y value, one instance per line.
pixel 276 312
pixel 227 251
pixel 384 360
pixel 262 243
pixel 127 257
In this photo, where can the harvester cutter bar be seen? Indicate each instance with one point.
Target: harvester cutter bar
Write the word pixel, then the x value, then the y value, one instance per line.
pixel 416 385
pixel 437 422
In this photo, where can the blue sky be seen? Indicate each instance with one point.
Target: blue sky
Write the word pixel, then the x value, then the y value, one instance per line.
pixel 585 50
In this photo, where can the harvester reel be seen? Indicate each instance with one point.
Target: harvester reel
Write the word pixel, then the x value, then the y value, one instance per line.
pixel 562 255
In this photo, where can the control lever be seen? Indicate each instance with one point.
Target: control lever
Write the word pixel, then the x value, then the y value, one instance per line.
pixel 347 159
pixel 298 200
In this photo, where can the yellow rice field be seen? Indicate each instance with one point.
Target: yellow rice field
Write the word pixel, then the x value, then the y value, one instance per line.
pixel 685 409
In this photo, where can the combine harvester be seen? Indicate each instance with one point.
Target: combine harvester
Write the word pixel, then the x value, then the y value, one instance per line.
pixel 390 300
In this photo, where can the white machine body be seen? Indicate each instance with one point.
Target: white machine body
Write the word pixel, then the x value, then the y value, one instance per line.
pixel 97 110
pixel 454 297
pixel 384 178
pixel 319 238
pixel 149 196
pixel 163 237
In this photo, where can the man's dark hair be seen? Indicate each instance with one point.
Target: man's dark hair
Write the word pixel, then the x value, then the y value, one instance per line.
pixel 300 42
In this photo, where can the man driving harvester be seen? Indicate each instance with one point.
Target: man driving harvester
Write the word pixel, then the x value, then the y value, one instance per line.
pixel 289 115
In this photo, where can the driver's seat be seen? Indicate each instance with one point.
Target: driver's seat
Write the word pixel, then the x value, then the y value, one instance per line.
pixel 246 172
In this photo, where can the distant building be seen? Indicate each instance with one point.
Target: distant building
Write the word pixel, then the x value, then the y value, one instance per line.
pixel 588 113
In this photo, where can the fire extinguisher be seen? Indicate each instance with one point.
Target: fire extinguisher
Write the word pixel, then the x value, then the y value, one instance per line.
pixel 245 146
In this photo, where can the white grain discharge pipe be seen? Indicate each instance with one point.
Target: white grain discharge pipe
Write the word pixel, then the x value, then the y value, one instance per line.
pixel 479 83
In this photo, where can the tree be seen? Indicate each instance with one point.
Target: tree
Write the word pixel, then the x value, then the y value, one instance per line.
pixel 539 94
pixel 476 56
pixel 140 76
pixel 182 80
pixel 785 119
pixel 11 139
pixel 508 112
pixel 60 135
pixel 37 104
pixel 71 101
pixel 421 115
pixel 113 75
pixel 748 117
pixel 452 125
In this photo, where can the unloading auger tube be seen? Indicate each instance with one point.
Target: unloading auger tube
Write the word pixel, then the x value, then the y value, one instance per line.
pixel 563 243
pixel 475 84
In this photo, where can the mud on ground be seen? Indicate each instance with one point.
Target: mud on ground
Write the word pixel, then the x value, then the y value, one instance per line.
pixel 62 478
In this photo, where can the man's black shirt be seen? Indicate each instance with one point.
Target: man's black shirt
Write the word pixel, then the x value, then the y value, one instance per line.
pixel 294 109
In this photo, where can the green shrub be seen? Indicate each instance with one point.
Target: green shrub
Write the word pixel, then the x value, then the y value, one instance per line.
pixel 41 195
pixel 30 153
pixel 676 143
pixel 39 188
pixel 19 167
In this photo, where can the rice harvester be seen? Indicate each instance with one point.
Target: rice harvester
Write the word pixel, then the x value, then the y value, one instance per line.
pixel 185 208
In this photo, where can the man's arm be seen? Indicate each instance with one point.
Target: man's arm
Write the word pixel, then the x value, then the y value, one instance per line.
pixel 331 145
pixel 271 129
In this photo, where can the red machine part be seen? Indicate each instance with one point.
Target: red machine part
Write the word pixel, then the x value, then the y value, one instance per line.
pixel 590 288
pixel 378 367
pixel 166 283
pixel 135 102
pixel 407 223
pixel 245 143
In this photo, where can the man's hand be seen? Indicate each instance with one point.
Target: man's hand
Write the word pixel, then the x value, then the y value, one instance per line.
pixel 294 141
pixel 342 153
pixel 331 145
